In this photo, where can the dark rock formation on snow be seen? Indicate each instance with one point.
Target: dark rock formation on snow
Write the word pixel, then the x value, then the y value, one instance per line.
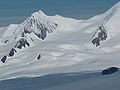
pixel 110 70
pixel 26 31
pixel 39 56
pixel 22 43
pixel 4 59
pixel 12 51
pixel 6 41
pixel 42 31
pixel 99 36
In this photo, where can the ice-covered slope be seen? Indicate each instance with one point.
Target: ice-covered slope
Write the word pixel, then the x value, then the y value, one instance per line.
pixel 62 44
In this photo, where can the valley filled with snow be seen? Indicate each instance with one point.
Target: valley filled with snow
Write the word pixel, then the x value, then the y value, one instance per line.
pixel 50 45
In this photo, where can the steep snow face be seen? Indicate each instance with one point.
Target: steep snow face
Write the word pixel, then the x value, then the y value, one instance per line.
pixel 110 20
pixel 62 44
pixel 8 32
pixel 114 23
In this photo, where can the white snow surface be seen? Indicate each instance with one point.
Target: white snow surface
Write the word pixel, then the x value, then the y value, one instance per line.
pixel 66 48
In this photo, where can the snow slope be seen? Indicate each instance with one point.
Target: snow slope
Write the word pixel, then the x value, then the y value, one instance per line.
pixel 65 44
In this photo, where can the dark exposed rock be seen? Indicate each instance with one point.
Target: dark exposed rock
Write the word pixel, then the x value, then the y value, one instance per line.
pixel 96 42
pixel 43 31
pixel 22 43
pixel 56 24
pixel 23 34
pixel 42 34
pixel 6 41
pixel 39 56
pixel 4 59
pixel 101 35
pixel 12 52
pixel 31 39
pixel 110 70
pixel 26 31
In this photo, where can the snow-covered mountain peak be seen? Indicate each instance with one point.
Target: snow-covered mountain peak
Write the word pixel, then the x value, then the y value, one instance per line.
pixel 113 22
pixel 114 10
pixel 117 5
pixel 39 14
pixel 38 23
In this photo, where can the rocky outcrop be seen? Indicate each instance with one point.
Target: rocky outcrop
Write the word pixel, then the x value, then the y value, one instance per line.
pixel 22 43
pixel 26 31
pixel 4 59
pixel 12 52
pixel 110 70
pixel 6 41
pixel 39 56
pixel 99 36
